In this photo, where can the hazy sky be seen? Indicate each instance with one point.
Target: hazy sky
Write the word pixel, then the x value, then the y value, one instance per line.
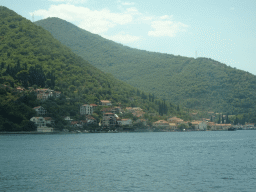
pixel 224 30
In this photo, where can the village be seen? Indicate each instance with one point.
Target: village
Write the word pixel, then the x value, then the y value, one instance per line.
pixel 112 119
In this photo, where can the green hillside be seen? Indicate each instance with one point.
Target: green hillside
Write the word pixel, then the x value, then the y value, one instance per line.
pixel 195 83
pixel 31 57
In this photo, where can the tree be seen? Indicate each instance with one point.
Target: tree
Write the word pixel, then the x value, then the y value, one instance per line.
pixel 219 120
pixel 29 126
pixel 22 76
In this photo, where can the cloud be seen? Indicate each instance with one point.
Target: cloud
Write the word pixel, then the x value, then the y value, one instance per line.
pixel 101 21
pixel 123 38
pixel 166 17
pixel 167 28
pixel 69 1
pixel 126 3
pixel 232 8
pixel 91 20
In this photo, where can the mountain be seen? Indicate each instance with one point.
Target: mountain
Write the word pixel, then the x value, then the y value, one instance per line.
pixel 200 83
pixel 31 57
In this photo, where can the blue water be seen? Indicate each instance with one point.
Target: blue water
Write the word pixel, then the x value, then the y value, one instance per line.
pixel 175 161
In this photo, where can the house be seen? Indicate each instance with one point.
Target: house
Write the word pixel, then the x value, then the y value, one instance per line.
pixel 119 121
pixel 44 96
pixel 57 93
pixel 161 124
pixel 175 120
pixel 212 125
pixel 67 118
pixel 20 89
pixel 105 103
pixel 41 122
pixel 173 126
pixel 223 126
pixel 86 109
pixel 90 119
pixel 49 121
pixel 40 110
pixel 199 125
pixel 76 124
pixel 108 119
pixel 116 110
pixel 94 106
pixel 126 122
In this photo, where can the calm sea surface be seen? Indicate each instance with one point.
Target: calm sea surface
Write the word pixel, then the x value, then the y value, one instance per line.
pixel 177 161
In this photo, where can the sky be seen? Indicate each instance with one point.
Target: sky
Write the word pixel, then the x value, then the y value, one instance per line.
pixel 223 30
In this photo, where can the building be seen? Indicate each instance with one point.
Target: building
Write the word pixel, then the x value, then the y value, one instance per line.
pixel 86 109
pixel 173 126
pixel 109 119
pixel 199 125
pixel 126 122
pixel 161 124
pixel 41 122
pixel 175 120
pixel 49 121
pixel 40 110
pixel 105 103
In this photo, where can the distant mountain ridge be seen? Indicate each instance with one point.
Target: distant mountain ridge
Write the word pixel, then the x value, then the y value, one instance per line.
pixel 196 83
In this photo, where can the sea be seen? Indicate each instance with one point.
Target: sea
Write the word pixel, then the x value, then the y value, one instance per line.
pixel 148 161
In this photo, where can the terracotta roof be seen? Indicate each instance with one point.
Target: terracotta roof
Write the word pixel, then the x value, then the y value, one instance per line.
pixel 47 118
pixel 161 121
pixel 105 101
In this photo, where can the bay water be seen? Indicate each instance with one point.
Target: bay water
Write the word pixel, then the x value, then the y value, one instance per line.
pixel 164 161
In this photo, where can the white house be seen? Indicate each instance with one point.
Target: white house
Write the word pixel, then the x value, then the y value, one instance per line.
pixel 40 122
pixel 86 109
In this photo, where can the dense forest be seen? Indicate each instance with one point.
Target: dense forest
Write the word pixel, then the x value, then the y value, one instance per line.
pixel 30 57
pixel 200 83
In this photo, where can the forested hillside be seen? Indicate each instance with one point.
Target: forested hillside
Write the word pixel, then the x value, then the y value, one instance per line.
pixel 31 57
pixel 195 83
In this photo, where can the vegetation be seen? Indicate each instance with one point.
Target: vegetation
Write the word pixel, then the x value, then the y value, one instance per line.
pixel 31 57
pixel 200 83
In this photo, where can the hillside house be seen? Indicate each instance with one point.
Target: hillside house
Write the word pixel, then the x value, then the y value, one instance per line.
pixel 126 122
pixel 161 124
pixel 49 121
pixel 176 120
pixel 105 103
pixel 109 119
pixel 90 119
pixel 173 126
pixel 41 122
pixel 86 109
pixel 40 110
pixel 199 125
pixel 67 118
pixel 44 96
